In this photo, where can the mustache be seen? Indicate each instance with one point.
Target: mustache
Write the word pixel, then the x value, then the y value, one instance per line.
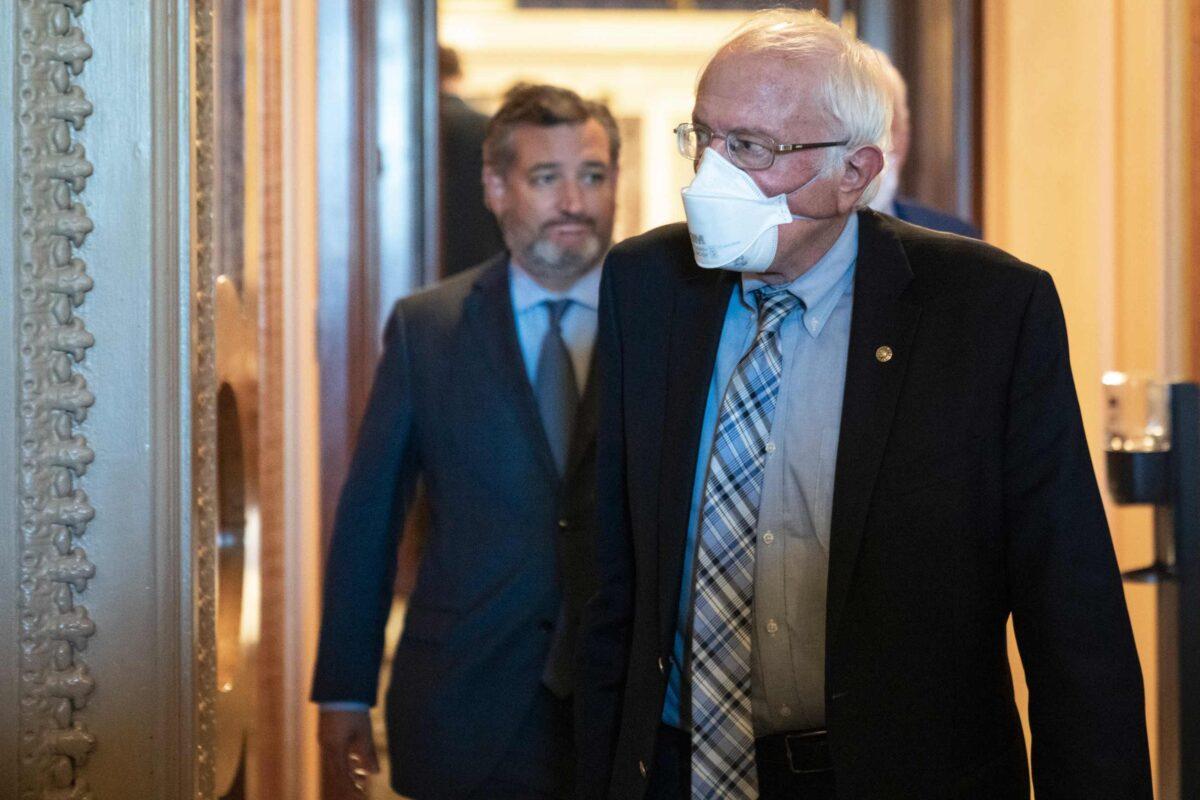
pixel 570 219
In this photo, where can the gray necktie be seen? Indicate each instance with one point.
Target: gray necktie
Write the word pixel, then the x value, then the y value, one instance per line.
pixel 558 401
pixel 555 387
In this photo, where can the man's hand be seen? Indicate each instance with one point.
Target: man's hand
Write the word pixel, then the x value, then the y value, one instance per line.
pixel 347 753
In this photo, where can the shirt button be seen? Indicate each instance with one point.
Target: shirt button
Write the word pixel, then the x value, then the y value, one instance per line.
pixel 770 447
pixel 785 711
pixel 772 627
pixel 563 524
pixel 768 537
pixel 642 768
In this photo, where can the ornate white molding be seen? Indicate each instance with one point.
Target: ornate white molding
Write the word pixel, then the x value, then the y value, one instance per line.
pixel 204 400
pixel 52 282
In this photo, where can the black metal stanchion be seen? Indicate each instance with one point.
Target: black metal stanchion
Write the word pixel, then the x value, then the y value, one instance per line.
pixel 1159 464
pixel 1185 480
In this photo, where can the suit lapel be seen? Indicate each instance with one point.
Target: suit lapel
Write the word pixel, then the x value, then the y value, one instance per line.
pixel 882 317
pixel 489 308
pixel 695 324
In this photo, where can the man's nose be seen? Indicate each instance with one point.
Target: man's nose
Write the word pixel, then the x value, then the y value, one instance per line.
pixel 570 199
pixel 712 142
pixel 720 148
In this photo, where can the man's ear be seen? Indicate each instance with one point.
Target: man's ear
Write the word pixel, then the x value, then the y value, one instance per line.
pixel 494 190
pixel 861 168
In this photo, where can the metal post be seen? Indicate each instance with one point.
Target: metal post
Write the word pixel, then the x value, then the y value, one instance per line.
pixel 1185 478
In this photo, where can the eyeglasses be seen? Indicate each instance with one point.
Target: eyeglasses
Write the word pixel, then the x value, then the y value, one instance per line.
pixel 746 150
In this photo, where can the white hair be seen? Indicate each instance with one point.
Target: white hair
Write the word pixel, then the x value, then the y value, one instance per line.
pixel 901 126
pixel 855 89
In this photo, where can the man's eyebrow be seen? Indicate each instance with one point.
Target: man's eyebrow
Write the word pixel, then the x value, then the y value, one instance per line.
pixel 738 129
pixel 596 163
pixel 541 165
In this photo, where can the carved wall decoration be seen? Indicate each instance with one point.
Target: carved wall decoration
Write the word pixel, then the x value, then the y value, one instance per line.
pixel 52 281
pixel 204 400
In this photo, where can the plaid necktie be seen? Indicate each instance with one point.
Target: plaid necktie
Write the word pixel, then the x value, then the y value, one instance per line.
pixel 722 725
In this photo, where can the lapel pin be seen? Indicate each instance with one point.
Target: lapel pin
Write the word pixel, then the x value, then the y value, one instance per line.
pixel 883 354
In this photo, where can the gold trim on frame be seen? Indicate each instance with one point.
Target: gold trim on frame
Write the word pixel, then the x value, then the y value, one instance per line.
pixel 204 395
pixel 52 282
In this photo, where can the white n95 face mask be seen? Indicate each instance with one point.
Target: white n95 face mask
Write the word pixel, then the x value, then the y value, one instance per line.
pixel 733 225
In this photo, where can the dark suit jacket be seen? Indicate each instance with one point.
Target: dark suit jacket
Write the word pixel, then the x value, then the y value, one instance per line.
pixel 469 233
pixel 963 493
pixel 910 210
pixel 451 404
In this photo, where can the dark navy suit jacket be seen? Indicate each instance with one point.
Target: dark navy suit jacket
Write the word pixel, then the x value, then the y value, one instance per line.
pixel 452 406
pixel 963 494
pixel 910 210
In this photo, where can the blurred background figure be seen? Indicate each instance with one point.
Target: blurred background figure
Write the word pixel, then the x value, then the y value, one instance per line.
pixel 468 232
pixel 888 199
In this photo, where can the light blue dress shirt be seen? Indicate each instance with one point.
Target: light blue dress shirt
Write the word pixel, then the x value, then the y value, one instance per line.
pixel 533 319
pixel 792 536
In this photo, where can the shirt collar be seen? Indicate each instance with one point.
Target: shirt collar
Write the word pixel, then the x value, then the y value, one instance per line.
pixel 527 293
pixel 820 288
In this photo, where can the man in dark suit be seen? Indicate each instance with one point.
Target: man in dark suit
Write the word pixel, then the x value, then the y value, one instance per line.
pixel 887 199
pixel 916 212
pixel 469 233
pixel 829 470
pixel 483 394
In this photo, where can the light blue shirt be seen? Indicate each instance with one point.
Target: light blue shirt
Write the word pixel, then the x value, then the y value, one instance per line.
pixel 792 535
pixel 533 319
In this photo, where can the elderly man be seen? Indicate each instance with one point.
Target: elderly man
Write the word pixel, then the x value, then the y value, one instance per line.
pixel 887 199
pixel 832 462
pixel 483 394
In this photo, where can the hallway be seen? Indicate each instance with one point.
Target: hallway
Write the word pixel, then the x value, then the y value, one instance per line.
pixel 212 206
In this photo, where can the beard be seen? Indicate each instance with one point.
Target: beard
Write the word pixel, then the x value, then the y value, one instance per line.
pixel 544 258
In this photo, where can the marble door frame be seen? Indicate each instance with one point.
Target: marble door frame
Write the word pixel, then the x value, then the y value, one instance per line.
pixel 108 505
pixel 108 462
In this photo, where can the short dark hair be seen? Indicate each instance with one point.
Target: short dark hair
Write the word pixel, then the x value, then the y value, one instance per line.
pixel 448 64
pixel 544 105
